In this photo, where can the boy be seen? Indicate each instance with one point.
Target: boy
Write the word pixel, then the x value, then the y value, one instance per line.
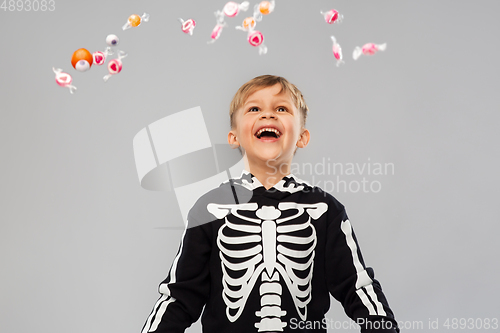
pixel 264 252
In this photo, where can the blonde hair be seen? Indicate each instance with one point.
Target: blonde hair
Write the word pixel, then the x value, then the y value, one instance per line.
pixel 265 81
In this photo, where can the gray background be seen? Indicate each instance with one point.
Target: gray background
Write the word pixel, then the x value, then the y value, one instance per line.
pixel 83 246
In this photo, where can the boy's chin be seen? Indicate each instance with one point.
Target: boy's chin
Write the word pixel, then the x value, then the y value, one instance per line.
pixel 272 157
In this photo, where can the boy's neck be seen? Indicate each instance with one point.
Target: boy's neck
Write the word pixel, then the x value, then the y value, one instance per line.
pixel 267 174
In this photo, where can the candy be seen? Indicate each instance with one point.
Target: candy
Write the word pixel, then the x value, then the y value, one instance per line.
pixel 135 21
pixel 332 16
pixel 266 7
pixel 100 57
pixel 115 65
pixel 337 51
pixel 216 32
pixel 64 79
pixel 81 60
pixel 112 40
pixel 368 49
pixel 248 24
pixel 256 38
pixel 188 26
pixel 231 9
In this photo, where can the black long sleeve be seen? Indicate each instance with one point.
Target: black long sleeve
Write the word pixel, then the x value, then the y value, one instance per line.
pixel 268 264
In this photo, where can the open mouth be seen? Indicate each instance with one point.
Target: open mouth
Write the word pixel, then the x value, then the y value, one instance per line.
pixel 268 132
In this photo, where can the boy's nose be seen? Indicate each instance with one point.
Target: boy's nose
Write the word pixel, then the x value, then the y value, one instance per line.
pixel 267 114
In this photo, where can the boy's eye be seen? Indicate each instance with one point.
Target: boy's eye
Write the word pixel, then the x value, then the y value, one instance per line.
pixel 281 109
pixel 253 109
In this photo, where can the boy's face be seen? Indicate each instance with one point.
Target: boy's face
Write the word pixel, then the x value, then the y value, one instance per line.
pixel 268 127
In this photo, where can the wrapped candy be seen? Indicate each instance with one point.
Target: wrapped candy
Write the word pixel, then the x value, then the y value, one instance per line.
pixel 64 79
pixel 332 16
pixel 115 65
pixel 248 24
pixel 135 21
pixel 188 26
pixel 82 60
pixel 112 40
pixel 263 8
pixel 256 38
pixel 216 32
pixel 368 49
pixel 231 9
pixel 100 57
pixel 337 51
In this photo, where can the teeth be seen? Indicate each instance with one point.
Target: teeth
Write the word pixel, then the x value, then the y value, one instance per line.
pixel 267 129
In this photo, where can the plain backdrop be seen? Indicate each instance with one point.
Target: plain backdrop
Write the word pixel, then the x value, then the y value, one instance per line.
pixel 83 246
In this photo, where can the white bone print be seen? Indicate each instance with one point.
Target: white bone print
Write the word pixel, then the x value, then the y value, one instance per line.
pixel 267 246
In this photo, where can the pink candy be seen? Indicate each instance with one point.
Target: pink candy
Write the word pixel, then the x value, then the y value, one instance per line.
pixel 231 9
pixel 100 57
pixel 64 79
pixel 368 49
pixel 188 26
pixel 115 65
pixel 332 16
pixel 255 38
pixel 337 51
pixel 216 32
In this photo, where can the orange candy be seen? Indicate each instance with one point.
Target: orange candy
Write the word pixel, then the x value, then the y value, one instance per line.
pixel 249 23
pixel 134 20
pixel 81 54
pixel 265 7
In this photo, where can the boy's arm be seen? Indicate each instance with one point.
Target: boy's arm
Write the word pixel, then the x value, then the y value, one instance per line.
pixel 184 292
pixel 352 283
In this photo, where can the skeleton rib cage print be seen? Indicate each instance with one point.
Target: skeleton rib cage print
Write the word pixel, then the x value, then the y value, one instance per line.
pixel 252 259
pixel 271 247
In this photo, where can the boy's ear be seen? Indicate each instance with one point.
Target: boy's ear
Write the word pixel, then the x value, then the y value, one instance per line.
pixel 303 139
pixel 232 140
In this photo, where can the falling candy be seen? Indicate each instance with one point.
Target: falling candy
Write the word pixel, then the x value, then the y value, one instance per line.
pixel 188 26
pixel 337 51
pixel 135 21
pixel 368 49
pixel 266 7
pixel 248 24
pixel 115 65
pixel 82 60
pixel 256 38
pixel 231 9
pixel 112 40
pixel 216 32
pixel 332 16
pixel 100 57
pixel 63 79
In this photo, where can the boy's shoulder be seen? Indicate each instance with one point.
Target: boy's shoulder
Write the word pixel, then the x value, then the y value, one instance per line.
pixel 230 192
pixel 312 193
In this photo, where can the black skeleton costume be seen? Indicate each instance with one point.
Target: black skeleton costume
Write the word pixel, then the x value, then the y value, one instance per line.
pixel 266 261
